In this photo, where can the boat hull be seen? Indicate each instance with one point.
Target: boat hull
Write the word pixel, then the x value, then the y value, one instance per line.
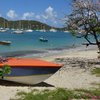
pixel 5 42
pixel 30 75
pixel 29 70
pixel 30 80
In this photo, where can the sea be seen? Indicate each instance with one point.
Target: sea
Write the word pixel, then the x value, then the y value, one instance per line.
pixel 29 43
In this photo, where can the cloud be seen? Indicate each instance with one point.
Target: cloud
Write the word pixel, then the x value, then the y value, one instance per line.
pixel 38 17
pixel 28 15
pixel 49 14
pixel 11 14
pixel 0 15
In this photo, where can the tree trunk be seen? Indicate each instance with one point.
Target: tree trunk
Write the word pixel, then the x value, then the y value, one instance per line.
pixel 97 41
pixel 98 47
pixel 2 77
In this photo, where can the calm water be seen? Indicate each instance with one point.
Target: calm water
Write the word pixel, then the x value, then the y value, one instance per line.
pixel 30 41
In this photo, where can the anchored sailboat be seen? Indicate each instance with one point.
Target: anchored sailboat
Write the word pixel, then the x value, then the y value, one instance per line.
pixel 3 29
pixel 29 28
pixel 18 31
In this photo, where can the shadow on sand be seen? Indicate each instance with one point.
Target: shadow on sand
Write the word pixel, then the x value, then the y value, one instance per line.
pixel 11 83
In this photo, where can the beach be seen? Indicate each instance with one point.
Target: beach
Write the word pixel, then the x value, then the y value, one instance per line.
pixel 70 76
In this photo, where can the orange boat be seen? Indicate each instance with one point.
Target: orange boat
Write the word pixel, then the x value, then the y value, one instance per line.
pixel 28 70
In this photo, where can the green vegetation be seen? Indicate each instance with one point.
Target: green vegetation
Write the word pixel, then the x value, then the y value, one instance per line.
pixel 96 71
pixel 84 21
pixel 5 70
pixel 25 24
pixel 59 94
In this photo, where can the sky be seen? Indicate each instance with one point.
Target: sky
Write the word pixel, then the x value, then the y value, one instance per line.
pixel 50 12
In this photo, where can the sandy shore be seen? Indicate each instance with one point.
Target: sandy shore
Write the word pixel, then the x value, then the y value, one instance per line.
pixel 67 77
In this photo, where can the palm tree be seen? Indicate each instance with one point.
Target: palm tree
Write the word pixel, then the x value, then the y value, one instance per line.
pixel 6 69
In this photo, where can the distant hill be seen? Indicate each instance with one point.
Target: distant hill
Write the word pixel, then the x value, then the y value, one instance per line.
pixel 25 24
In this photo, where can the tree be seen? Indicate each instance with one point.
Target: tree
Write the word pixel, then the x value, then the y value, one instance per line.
pixel 6 69
pixel 85 19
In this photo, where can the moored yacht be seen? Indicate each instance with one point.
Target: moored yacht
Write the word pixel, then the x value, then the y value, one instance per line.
pixel 29 30
pixel 29 27
pixel 53 30
pixel 42 30
pixel 3 29
pixel 66 31
pixel 18 31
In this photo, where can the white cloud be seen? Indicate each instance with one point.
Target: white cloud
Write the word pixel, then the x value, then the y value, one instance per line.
pixel 11 14
pixel 28 15
pixel 38 17
pixel 49 14
pixel 0 15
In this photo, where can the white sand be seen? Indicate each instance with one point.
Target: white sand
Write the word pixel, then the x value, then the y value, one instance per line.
pixel 73 78
pixel 67 78
pixel 90 52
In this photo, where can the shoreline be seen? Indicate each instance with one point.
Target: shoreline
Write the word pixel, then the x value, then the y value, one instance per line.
pixel 82 52
pixel 50 53
pixel 21 53
pixel 34 52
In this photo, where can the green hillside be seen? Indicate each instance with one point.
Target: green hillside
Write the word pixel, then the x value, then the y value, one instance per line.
pixel 25 24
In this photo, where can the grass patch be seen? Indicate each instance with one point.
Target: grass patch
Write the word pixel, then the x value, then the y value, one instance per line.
pixel 89 93
pixel 59 94
pixel 96 71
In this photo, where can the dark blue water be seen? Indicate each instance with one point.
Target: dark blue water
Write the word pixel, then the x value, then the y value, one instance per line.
pixel 30 41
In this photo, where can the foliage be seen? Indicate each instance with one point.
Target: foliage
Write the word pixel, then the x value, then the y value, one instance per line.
pixel 59 94
pixel 73 32
pixel 6 69
pixel 96 71
pixel 85 20
pixel 25 24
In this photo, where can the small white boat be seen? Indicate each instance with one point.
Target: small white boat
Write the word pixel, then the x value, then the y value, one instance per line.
pixel 42 30
pixel 18 31
pixel 28 30
pixel 3 30
pixel 66 31
pixel 13 29
pixel 43 39
pixel 5 42
pixel 53 30
pixel 7 29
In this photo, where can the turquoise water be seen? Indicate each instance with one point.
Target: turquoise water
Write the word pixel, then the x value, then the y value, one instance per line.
pixel 30 41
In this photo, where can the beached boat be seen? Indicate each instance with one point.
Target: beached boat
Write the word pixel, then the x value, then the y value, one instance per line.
pixel 5 42
pixel 28 70
pixel 43 39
